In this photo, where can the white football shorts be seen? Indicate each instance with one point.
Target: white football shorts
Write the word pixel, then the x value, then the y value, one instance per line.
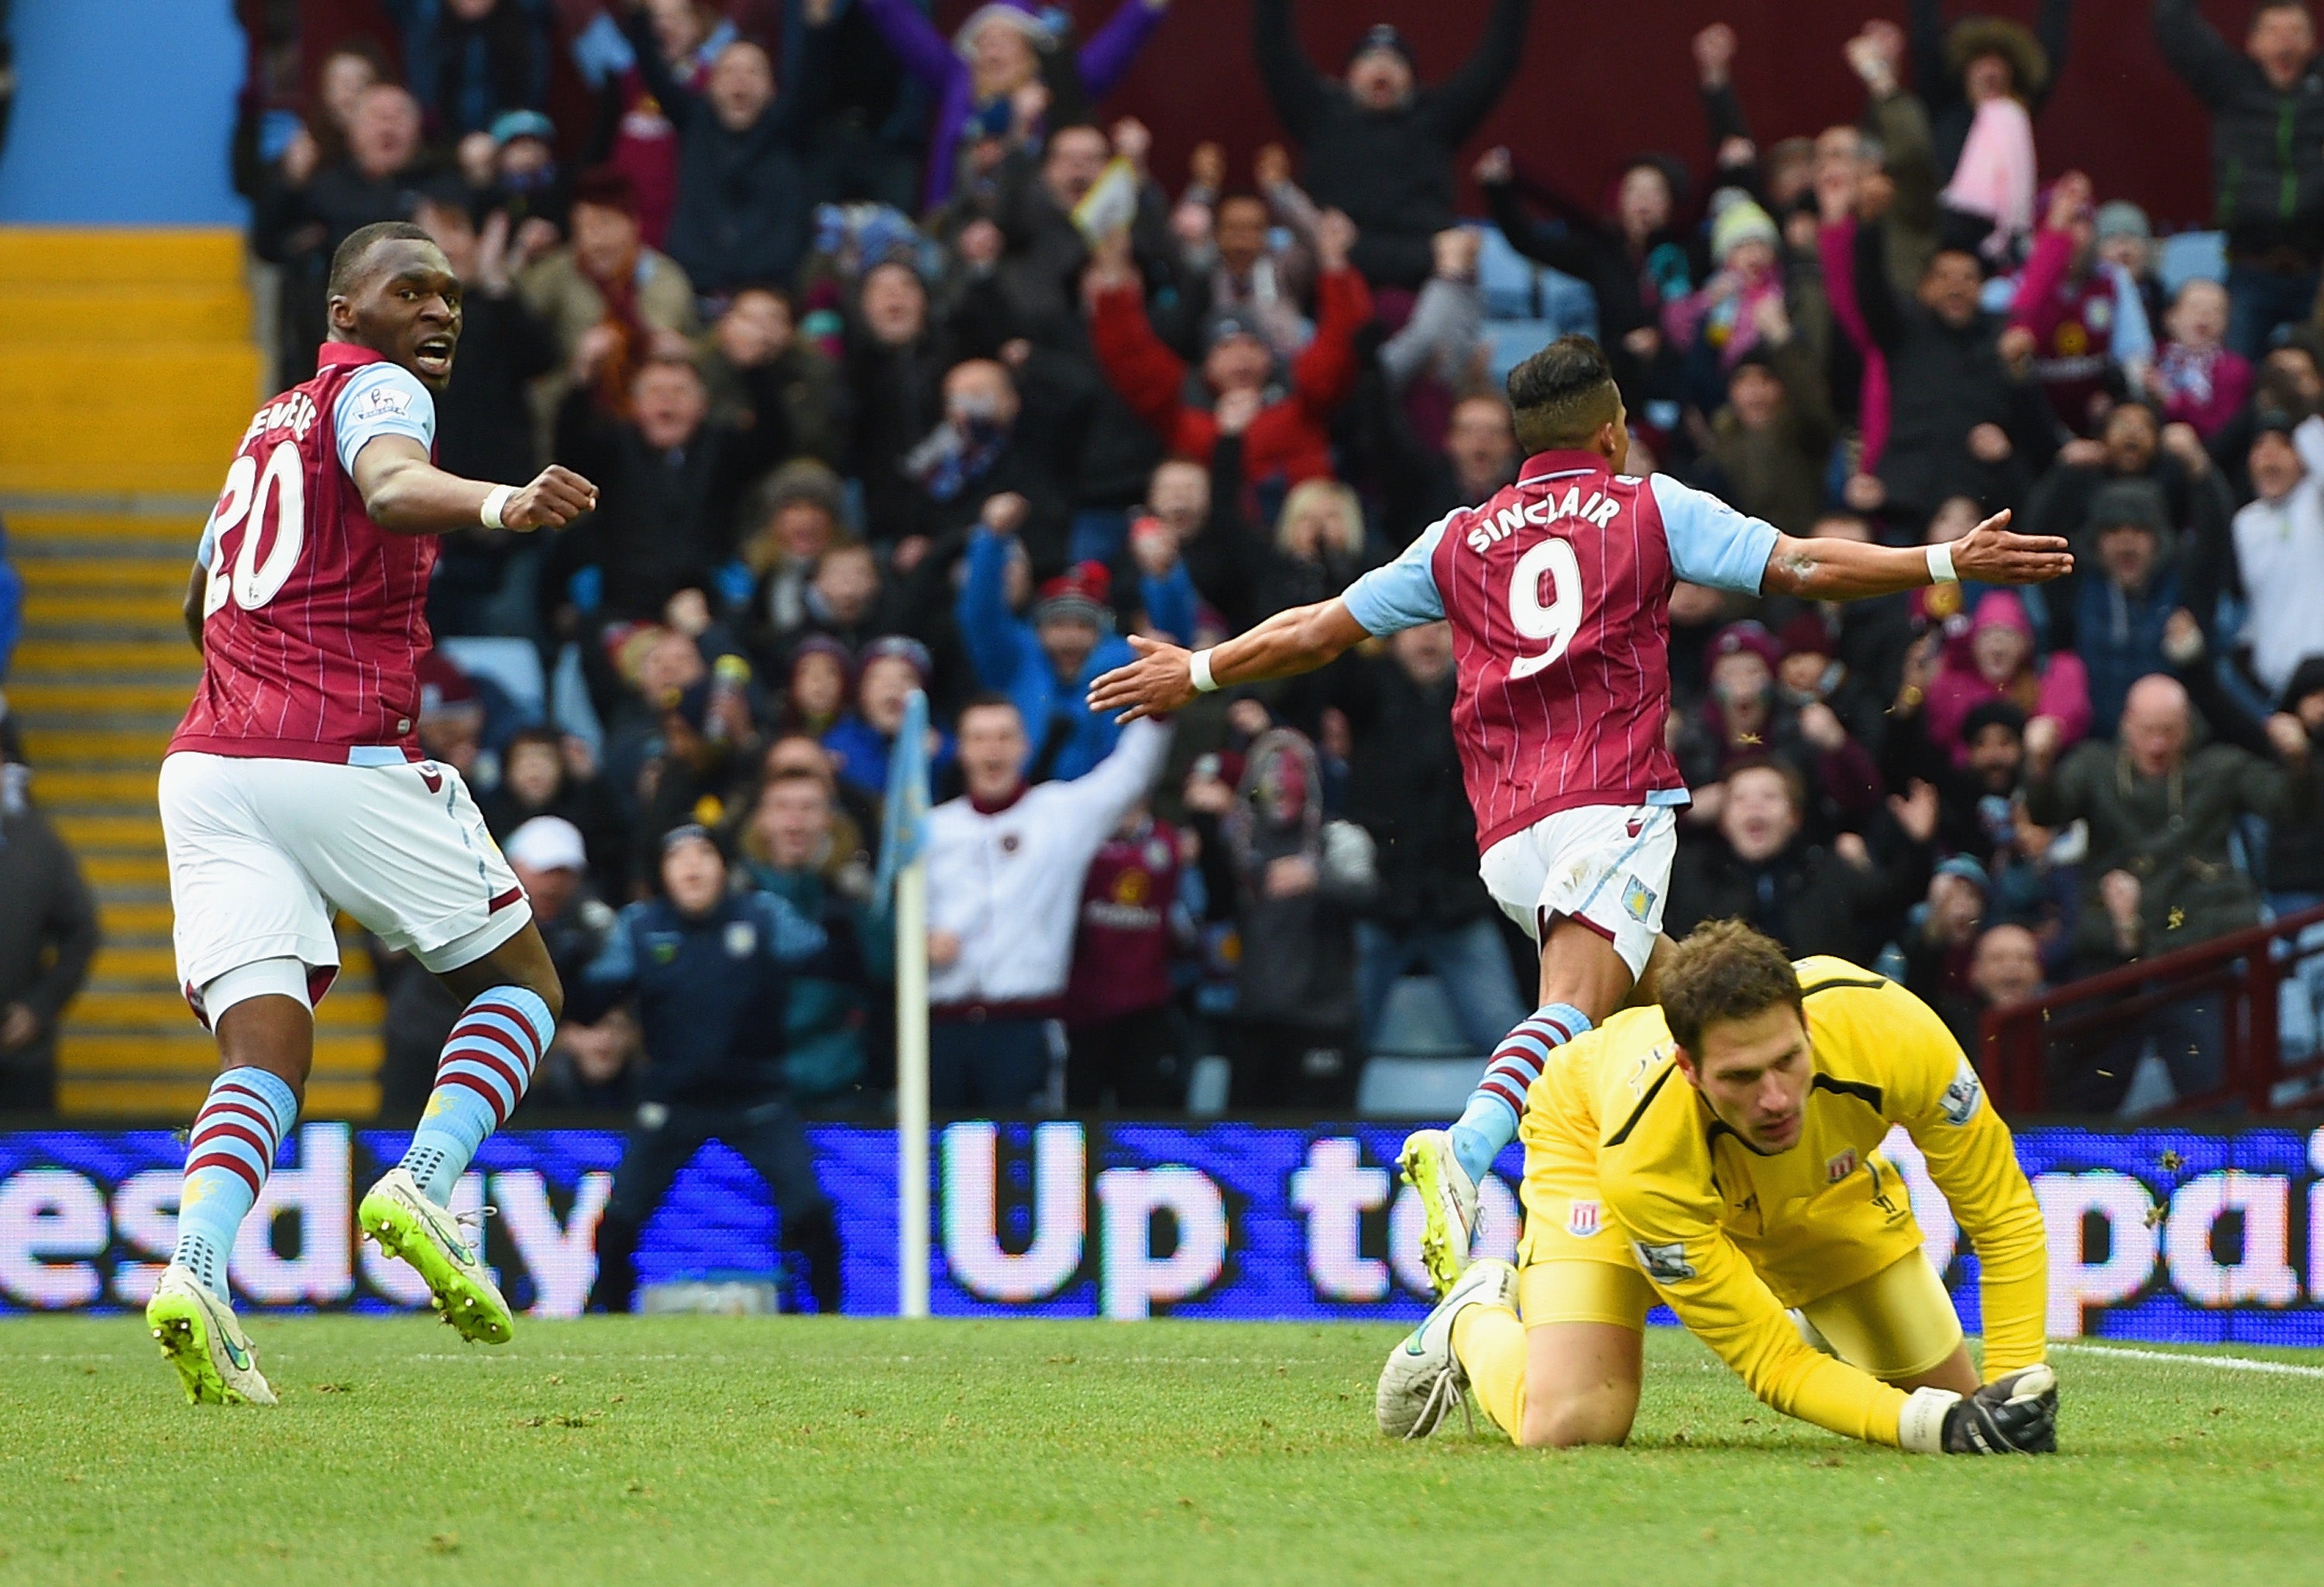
pixel 1608 866
pixel 263 853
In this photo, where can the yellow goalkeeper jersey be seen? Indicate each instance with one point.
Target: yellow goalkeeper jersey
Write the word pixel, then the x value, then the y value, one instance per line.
pixel 1731 1237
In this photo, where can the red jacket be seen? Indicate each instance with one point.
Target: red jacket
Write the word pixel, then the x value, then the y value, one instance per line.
pixel 1288 438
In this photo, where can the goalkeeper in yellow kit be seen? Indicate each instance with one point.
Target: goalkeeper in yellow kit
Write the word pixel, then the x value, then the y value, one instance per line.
pixel 1721 1151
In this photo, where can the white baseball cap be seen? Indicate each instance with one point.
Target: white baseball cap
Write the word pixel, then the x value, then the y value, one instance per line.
pixel 548 843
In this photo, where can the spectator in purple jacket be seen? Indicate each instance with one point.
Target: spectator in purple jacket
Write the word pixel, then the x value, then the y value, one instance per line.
pixel 979 74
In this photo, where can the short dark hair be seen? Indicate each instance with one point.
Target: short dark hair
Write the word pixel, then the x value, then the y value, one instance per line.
pixel 989 700
pixel 1561 396
pixel 347 262
pixel 1724 970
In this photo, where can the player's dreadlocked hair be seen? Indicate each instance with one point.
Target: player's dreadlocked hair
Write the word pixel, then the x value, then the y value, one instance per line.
pixel 1724 970
pixel 1562 394
pixel 347 264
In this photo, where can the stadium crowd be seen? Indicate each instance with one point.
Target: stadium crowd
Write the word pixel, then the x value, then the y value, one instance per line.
pixel 904 365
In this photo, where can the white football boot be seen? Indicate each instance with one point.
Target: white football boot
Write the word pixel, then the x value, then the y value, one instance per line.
pixel 1423 1380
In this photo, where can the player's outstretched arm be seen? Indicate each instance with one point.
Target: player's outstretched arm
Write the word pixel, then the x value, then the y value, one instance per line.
pixel 1849 570
pixel 1162 679
pixel 405 494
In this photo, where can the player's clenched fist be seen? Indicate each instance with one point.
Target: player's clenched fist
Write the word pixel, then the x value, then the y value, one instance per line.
pixel 553 500
pixel 2016 1415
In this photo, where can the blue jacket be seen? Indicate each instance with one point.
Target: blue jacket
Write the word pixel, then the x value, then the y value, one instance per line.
pixel 2120 638
pixel 1007 650
pixel 712 992
pixel 863 750
pixel 831 1001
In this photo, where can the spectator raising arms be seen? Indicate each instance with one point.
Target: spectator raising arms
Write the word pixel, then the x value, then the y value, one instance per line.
pixel 1376 145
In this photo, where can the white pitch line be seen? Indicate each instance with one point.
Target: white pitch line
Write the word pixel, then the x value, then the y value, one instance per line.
pixel 2226 1363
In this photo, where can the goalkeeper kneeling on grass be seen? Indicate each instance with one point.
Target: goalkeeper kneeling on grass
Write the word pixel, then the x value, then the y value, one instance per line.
pixel 1721 1152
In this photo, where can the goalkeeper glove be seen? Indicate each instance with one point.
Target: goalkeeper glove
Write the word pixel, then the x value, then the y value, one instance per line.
pixel 2017 1415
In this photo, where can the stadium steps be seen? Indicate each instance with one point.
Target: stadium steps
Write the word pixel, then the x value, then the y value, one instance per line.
pixel 127 365
pixel 128 374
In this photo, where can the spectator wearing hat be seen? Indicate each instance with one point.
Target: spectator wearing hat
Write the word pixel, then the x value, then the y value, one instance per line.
pixel 710 975
pixel 743 193
pixel 1005 865
pixel 1939 943
pixel 48 936
pixel 591 1067
pixel 1810 670
pixel 1976 793
pixel 986 75
pixel 605 295
pixel 2277 549
pixel 797 845
pixel 517 175
pixel 2197 379
pixel 1376 144
pixel 2125 240
pixel 865 738
pixel 1300 882
pixel 1045 664
pixel 2087 320
pixel 1983 81
pixel 2267 155
pixel 1759 864
pixel 1771 444
pixel 1743 721
pixel 801 514
pixel 2116 622
pixel 1723 316
pixel 1286 437
pixel 1995 659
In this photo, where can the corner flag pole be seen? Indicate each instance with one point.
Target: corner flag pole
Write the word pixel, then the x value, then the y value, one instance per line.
pixel 903 869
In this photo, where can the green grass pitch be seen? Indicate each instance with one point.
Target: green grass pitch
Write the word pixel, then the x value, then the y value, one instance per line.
pixel 811 1451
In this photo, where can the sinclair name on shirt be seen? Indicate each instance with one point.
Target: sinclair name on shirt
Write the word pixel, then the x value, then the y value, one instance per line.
pixel 1599 509
pixel 294 412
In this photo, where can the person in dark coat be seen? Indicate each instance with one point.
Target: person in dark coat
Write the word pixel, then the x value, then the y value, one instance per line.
pixel 1293 1039
pixel 1758 868
pixel 710 975
pixel 1963 419
pixel 743 193
pixel 1431 910
pixel 1376 144
pixel 48 938
pixel 484 421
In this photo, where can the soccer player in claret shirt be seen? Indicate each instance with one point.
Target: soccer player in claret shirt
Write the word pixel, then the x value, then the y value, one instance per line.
pixel 1558 592
pixel 1721 1153
pixel 295 787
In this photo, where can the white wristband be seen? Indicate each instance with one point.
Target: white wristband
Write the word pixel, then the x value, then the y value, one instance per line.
pixel 1921 1426
pixel 490 512
pixel 1940 564
pixel 1199 665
